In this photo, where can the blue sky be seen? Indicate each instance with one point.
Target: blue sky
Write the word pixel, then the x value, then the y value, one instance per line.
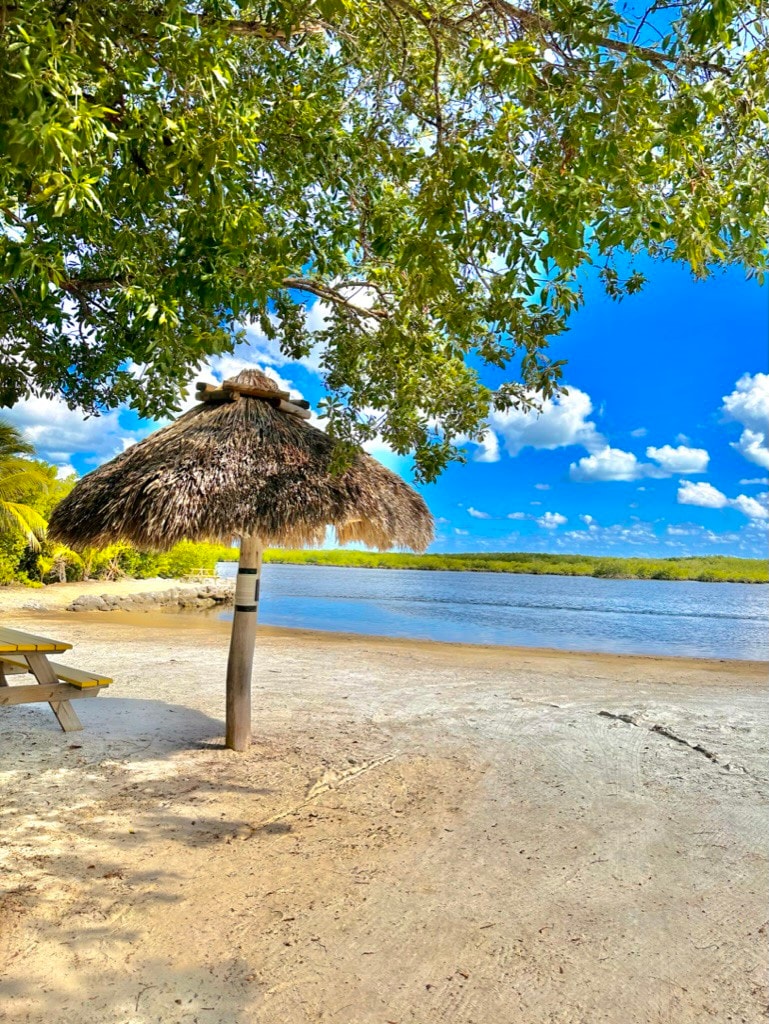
pixel 660 447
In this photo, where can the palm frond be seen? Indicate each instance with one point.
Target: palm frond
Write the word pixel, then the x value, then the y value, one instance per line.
pixel 23 520
pixel 13 442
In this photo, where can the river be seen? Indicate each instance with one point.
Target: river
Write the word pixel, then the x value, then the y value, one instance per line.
pixel 705 620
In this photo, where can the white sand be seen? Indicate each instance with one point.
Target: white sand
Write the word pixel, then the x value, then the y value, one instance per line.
pixel 420 833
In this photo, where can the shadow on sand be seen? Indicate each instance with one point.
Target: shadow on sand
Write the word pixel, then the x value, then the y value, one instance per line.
pixel 91 825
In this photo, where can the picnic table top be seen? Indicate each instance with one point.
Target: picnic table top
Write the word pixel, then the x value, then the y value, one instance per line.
pixel 14 641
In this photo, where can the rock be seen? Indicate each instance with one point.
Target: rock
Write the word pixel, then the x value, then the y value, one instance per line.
pixel 88 603
pixel 209 595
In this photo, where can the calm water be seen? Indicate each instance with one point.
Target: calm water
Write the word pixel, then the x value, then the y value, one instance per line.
pixel 706 620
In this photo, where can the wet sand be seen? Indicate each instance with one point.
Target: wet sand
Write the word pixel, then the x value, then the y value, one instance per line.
pixel 420 833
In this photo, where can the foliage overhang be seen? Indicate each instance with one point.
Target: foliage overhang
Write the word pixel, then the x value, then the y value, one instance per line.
pixel 437 173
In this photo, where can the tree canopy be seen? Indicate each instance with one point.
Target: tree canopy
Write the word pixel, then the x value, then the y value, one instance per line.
pixel 438 172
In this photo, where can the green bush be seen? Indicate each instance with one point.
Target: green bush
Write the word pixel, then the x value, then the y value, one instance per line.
pixel 11 551
pixel 188 559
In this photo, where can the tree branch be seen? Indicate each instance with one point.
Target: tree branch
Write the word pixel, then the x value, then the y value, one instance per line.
pixel 545 28
pixel 80 286
pixel 531 19
pixel 263 30
pixel 335 296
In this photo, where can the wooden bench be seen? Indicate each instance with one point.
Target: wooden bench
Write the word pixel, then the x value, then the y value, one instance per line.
pixel 55 683
pixel 14 663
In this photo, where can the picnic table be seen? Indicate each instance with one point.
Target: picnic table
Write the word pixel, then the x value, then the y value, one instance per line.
pixel 57 684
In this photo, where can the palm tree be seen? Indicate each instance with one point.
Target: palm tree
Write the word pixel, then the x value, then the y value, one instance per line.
pixel 18 477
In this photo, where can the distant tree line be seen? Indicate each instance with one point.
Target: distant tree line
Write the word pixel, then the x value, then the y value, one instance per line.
pixel 709 569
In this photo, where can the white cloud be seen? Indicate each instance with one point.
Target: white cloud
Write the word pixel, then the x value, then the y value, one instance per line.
pixel 679 460
pixel 461 533
pixel 59 432
pixel 477 514
pixel 267 350
pixel 587 520
pixel 702 533
pixel 753 508
pixel 560 422
pixel 488 448
pixel 748 405
pixel 703 494
pixel 762 480
pixel 706 496
pixel 542 487
pixel 516 515
pixel 682 439
pixel 551 520
pixel 619 535
pixel 606 464
pixel 615 464
pixel 754 447
pixel 639 432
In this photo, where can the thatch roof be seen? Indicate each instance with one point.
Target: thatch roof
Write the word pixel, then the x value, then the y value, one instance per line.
pixel 240 467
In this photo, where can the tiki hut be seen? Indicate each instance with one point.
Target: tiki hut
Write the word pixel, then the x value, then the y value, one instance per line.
pixel 244 462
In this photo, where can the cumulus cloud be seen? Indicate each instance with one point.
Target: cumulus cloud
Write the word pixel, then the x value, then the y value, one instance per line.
pixel 706 496
pixel 615 464
pixel 551 520
pixel 477 514
pixel 606 464
pixel 748 405
pixel 268 352
pixel 753 508
pixel 59 432
pixel 754 447
pixel 516 515
pixel 703 494
pixel 619 535
pixel 679 460
pixel 488 448
pixel 560 422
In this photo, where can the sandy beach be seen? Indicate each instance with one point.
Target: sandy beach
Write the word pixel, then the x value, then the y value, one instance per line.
pixel 420 833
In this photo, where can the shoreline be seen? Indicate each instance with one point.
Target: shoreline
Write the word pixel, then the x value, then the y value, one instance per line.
pixel 737 671
pixel 50 604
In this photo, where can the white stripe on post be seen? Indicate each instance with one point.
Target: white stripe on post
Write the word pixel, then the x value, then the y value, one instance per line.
pixel 241 660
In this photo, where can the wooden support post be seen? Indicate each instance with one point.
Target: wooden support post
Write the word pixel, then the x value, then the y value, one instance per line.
pixel 241 659
pixel 45 675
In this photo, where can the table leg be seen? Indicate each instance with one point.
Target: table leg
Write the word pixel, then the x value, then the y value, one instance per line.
pixel 42 671
pixel 3 677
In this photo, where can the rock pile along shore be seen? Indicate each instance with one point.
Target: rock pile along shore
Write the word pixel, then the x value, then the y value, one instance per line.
pixel 208 595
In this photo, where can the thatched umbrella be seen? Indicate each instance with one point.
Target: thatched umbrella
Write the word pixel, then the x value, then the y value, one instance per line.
pixel 244 462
